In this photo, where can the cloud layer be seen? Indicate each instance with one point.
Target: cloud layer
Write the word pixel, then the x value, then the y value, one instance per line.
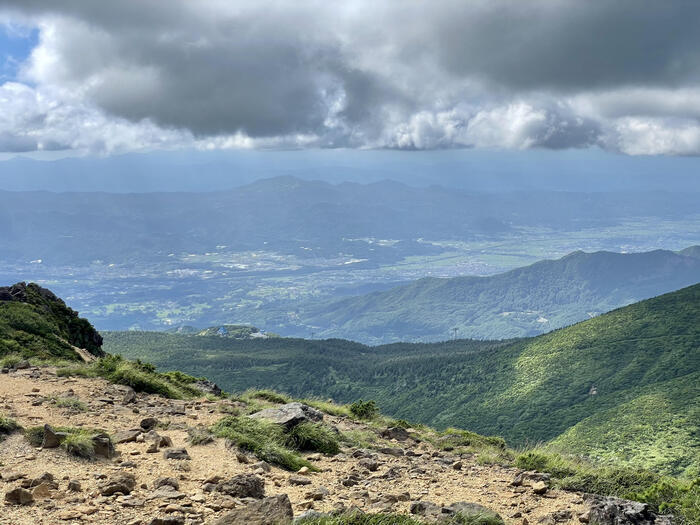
pixel 145 74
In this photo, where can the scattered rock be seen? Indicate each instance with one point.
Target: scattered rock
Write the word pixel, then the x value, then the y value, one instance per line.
pixel 148 423
pixel 616 511
pixel 397 433
pixel 207 387
pixel 176 453
pixel 74 486
pixel 18 496
pixel 539 487
pixel 123 482
pixel 277 510
pixel 391 451
pixel 125 436
pixel 243 486
pixel 167 481
pixel 102 445
pixel 52 439
pixel 299 480
pixel 289 415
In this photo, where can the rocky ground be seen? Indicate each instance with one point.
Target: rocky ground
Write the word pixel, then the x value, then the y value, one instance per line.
pixel 150 480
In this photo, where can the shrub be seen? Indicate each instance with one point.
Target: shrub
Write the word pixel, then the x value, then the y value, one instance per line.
pixel 364 409
pixel 313 437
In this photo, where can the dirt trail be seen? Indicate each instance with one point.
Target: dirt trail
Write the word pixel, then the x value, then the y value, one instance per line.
pixel 422 477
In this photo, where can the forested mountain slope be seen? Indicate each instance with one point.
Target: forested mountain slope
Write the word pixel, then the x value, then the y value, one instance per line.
pixel 642 360
pixel 522 302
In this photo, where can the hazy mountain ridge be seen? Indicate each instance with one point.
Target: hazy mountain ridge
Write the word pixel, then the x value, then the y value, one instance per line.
pixel 309 218
pixel 522 302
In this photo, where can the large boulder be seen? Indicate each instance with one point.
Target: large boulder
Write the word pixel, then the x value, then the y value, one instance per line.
pixel 243 486
pixel 289 415
pixel 277 510
pixel 616 511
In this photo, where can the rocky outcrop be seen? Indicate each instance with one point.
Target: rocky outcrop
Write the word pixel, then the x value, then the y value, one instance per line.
pixel 74 329
pixel 277 510
pixel 616 511
pixel 289 415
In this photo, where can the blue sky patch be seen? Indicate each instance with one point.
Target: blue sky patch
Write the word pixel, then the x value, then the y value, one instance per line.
pixel 16 43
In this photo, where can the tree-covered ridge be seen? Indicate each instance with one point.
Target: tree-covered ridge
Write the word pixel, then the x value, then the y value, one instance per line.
pixel 523 302
pixel 36 323
pixel 642 359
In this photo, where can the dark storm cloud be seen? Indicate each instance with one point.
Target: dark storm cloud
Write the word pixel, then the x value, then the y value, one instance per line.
pixel 406 74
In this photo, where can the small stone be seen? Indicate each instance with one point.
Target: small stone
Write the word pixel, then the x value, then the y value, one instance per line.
pixel 176 453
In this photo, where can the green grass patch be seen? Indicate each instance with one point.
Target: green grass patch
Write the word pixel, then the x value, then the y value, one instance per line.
pixel 315 437
pixel 71 403
pixel 140 376
pixel 77 443
pixel 7 426
pixel 329 407
pixel 269 396
pixel 265 440
pixel 665 494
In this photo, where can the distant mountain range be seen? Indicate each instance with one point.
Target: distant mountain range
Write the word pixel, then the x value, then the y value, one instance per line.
pixel 294 216
pixel 522 302
pixel 622 387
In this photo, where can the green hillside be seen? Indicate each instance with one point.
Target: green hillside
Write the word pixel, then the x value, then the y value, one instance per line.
pixel 523 302
pixel 641 361
pixel 36 323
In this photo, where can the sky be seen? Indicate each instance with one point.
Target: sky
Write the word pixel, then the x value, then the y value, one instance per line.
pixel 105 78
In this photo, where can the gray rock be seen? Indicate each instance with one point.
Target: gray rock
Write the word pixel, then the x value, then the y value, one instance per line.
pixel 616 511
pixel 74 486
pixel 148 423
pixel 309 515
pixel 52 439
pixel 176 453
pixel 391 451
pixel 103 446
pixel 370 464
pixel 18 496
pixel 299 480
pixel 125 436
pixel 243 486
pixel 289 415
pixel 468 509
pixel 277 510
pixel 123 482
pixel 207 387
pixel 397 433
pixel 162 482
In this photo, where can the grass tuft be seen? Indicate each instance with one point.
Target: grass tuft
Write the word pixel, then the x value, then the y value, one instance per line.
pixel 265 440
pixel 315 437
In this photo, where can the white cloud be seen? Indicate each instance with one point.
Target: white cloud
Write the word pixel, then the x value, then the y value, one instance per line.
pixel 135 76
